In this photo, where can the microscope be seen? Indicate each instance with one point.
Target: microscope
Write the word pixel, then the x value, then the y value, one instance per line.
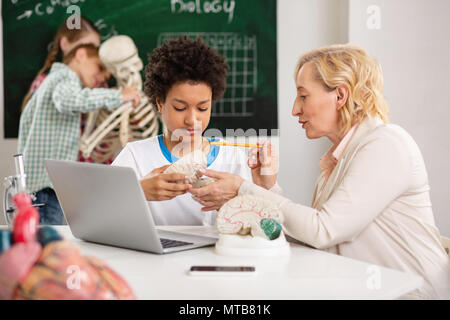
pixel 13 185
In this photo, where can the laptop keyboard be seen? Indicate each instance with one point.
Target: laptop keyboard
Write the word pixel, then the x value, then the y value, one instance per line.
pixel 169 243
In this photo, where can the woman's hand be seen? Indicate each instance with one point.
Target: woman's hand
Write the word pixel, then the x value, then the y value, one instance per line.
pixel 160 186
pixel 214 195
pixel 264 164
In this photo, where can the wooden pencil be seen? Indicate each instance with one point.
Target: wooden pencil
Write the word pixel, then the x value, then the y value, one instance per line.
pixel 233 144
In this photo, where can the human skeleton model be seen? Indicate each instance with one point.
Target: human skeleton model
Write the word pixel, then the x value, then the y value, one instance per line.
pixel 106 132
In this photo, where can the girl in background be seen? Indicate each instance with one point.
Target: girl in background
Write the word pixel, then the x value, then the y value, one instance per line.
pixel 50 123
pixel 65 40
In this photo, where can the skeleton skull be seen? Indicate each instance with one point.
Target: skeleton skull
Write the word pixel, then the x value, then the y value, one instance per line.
pixel 120 56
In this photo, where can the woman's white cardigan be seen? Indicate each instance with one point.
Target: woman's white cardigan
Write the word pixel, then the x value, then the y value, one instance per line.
pixel 375 207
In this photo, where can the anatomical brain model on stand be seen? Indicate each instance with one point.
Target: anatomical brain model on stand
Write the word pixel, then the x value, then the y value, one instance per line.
pixel 250 226
pixel 106 132
pixel 248 214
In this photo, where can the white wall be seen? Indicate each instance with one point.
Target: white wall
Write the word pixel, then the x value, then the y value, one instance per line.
pixel 302 25
pixel 413 48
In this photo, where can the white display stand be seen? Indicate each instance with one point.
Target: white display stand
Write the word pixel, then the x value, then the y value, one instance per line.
pixel 249 246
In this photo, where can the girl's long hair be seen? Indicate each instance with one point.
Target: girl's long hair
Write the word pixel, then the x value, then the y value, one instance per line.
pixel 56 54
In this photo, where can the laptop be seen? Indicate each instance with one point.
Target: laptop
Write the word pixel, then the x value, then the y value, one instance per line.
pixel 105 204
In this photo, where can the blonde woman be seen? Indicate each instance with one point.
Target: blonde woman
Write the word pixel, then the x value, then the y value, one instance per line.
pixel 371 201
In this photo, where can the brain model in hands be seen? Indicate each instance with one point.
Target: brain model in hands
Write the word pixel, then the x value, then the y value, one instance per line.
pixel 250 215
pixel 191 165
pixel 36 263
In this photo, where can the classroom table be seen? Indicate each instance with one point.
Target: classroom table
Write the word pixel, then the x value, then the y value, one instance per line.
pixel 304 274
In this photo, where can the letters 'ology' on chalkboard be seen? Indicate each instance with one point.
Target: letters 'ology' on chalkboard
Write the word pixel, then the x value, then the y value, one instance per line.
pixel 242 30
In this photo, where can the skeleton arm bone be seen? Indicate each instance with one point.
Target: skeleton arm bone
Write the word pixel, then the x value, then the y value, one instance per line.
pixel 149 117
pixel 144 102
pixel 153 128
pixel 90 123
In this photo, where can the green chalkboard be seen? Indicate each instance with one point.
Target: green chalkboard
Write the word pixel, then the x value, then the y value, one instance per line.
pixel 242 30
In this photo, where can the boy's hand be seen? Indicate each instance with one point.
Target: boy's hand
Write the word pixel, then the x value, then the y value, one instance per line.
pixel 131 94
pixel 214 195
pixel 159 186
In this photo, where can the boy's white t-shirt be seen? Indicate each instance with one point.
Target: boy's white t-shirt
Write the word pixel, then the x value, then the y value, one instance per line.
pixel 148 154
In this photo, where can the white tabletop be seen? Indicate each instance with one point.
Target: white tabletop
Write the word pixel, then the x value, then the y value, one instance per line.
pixel 305 274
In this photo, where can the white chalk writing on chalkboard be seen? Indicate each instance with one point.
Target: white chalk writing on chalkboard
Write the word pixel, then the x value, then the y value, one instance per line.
pixel 106 32
pixel 199 7
pixel 40 9
pixel 101 26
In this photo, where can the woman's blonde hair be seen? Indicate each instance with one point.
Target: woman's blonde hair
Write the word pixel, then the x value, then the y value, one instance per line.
pixel 352 67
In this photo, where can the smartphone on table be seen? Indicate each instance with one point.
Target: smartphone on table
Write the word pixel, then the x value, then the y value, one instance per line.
pixel 222 270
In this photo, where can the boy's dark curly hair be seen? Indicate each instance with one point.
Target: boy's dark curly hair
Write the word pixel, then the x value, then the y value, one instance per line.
pixel 184 59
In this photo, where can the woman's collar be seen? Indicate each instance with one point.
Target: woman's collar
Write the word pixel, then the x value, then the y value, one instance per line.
pixel 367 125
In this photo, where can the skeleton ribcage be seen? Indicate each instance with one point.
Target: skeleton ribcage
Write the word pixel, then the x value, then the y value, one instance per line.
pixel 107 132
